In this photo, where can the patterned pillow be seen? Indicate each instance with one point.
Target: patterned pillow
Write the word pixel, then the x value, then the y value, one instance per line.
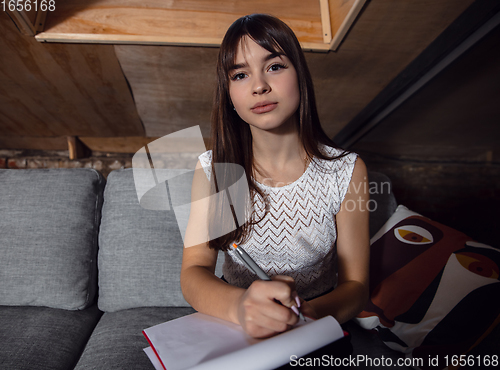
pixel 433 291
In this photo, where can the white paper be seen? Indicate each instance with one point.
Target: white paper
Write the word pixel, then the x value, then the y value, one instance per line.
pixel 200 341
pixel 152 357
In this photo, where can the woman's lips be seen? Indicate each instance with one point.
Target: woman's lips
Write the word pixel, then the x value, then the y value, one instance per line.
pixel 264 108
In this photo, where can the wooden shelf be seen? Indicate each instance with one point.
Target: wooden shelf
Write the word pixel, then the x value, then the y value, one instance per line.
pixel 319 24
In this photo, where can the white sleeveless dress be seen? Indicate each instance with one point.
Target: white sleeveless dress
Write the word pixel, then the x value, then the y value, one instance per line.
pixel 297 236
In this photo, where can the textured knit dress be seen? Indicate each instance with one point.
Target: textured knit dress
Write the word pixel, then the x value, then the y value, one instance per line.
pixel 297 235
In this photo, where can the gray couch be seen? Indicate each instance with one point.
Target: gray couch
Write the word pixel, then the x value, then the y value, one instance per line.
pixel 84 269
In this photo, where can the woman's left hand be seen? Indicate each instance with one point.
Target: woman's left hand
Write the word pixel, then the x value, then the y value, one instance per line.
pixel 307 310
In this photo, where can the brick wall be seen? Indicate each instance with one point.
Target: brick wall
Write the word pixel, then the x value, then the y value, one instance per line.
pixel 103 162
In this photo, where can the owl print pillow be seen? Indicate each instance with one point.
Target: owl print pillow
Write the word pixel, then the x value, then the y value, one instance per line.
pixel 433 290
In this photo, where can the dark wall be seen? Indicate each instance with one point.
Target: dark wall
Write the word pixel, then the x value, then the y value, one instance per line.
pixel 441 148
pixel 463 196
pixel 456 116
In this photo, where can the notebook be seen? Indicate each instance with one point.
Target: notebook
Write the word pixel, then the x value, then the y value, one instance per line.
pixel 203 342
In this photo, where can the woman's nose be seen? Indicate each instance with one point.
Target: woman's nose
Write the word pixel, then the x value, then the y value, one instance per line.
pixel 261 86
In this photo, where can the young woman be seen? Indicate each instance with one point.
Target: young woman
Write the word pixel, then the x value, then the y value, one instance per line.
pixel 309 226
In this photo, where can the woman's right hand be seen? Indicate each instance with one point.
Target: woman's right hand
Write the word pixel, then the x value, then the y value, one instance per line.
pixel 259 311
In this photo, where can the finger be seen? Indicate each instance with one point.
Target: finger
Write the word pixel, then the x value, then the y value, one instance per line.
pixel 267 318
pixel 284 295
pixel 273 299
pixel 275 310
pixel 271 295
pixel 267 323
pixel 293 302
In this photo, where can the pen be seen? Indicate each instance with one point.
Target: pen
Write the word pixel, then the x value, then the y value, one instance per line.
pixel 251 265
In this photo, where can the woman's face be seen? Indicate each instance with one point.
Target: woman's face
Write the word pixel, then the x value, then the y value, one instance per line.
pixel 263 87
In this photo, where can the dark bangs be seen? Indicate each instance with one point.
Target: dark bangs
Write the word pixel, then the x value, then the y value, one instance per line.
pixel 267 31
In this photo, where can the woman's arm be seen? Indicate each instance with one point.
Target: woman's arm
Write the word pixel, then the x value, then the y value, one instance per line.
pixel 254 308
pixel 201 288
pixel 353 252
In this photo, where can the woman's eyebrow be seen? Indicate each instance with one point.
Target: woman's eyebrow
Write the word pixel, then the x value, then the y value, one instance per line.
pixel 265 59
pixel 272 56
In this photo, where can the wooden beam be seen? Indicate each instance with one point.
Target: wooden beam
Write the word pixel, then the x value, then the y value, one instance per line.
pixel 76 148
pixel 325 21
pixel 115 39
pixel 22 18
pixel 130 144
pixel 41 17
pixel 33 143
pixel 151 40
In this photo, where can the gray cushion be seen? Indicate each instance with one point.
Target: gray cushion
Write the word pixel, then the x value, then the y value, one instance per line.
pixel 44 338
pixel 118 342
pixel 382 201
pixel 140 250
pixel 48 245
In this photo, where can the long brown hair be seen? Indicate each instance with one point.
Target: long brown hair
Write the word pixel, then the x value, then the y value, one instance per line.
pixel 231 136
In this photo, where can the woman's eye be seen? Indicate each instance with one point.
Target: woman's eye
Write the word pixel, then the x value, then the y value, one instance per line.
pixel 276 67
pixel 238 76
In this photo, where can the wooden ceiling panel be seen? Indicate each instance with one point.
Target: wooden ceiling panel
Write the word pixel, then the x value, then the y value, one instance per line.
pixel 57 90
pixel 201 22
pixel 172 85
